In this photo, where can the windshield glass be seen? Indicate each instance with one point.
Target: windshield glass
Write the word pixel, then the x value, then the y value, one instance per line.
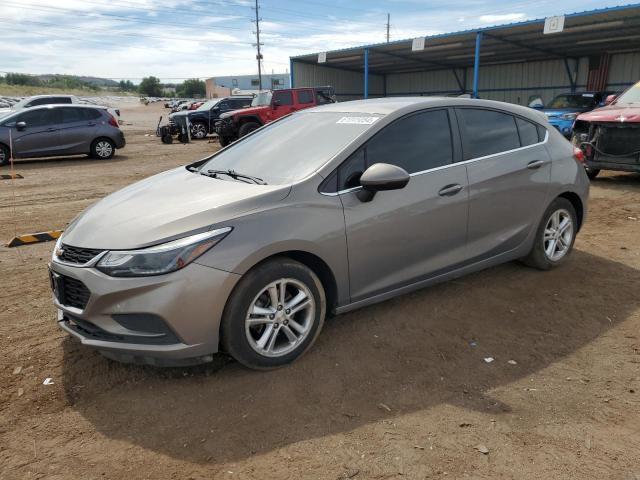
pixel 630 96
pixel 292 148
pixel 207 105
pixel 572 101
pixel 263 98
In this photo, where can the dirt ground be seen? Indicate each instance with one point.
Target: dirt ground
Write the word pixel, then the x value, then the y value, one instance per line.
pixel 396 390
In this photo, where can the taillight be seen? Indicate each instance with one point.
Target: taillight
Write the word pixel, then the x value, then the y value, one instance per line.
pixel 113 121
pixel 578 154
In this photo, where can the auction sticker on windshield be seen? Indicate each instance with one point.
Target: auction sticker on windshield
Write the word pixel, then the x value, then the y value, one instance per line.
pixel 358 120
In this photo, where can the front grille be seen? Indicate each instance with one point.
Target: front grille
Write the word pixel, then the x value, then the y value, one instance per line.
pixel 78 255
pixel 72 292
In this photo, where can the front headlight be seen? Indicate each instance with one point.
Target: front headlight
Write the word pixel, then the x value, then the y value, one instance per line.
pixel 160 259
pixel 568 116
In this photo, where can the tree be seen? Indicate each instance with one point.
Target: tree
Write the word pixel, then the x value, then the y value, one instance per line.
pixel 191 88
pixel 150 86
pixel 126 86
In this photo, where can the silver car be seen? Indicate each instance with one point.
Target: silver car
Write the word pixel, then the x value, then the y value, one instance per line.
pixel 59 130
pixel 322 212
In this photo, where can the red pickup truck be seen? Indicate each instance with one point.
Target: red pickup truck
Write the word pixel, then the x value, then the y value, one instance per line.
pixel 268 106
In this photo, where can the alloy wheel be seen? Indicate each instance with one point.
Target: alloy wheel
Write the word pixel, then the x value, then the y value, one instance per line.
pixel 104 149
pixel 280 317
pixel 198 130
pixel 558 235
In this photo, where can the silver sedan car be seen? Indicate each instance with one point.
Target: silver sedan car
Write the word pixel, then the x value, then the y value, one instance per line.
pixel 324 211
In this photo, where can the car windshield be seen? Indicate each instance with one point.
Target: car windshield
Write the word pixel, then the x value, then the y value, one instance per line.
pixel 207 105
pixel 572 101
pixel 630 96
pixel 263 98
pixel 292 148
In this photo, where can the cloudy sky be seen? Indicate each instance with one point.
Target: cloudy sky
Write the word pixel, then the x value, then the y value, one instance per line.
pixel 177 39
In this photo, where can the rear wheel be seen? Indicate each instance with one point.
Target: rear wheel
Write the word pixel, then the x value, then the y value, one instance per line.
pixel 103 149
pixel 4 155
pixel 274 314
pixel 247 128
pixel 592 172
pixel 555 236
pixel 198 130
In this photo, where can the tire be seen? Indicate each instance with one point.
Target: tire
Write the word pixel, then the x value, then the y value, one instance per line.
pixel 268 339
pixel 543 255
pixel 198 130
pixel 224 141
pixel 592 172
pixel 167 139
pixel 4 155
pixel 247 128
pixel 103 149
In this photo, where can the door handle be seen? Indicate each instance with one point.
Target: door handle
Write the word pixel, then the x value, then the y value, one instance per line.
pixel 450 190
pixel 535 164
pixel 51 129
pixel 91 124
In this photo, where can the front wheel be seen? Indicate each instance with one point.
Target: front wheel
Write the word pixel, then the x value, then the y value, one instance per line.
pixel 224 141
pixel 103 149
pixel 274 314
pixel 198 130
pixel 4 155
pixel 555 236
pixel 247 128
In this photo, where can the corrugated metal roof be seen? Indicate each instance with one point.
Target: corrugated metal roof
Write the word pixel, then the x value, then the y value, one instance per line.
pixel 610 29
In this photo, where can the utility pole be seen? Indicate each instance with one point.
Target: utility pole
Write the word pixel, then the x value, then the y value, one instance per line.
pixel 388 25
pixel 258 55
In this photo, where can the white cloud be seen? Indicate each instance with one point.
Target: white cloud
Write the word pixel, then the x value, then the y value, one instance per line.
pixel 507 17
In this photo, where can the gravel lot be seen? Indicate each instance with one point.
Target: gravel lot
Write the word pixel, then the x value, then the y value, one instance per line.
pixel 396 390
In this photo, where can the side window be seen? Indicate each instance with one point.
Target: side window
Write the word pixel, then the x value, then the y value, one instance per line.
pixel 91 114
pixel 528 132
pixel 224 106
pixel 415 143
pixel 71 115
pixel 39 118
pixel 40 101
pixel 283 97
pixel 542 132
pixel 305 96
pixel 243 102
pixel 485 132
pixel 65 100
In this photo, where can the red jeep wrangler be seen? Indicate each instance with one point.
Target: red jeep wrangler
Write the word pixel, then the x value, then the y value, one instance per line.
pixel 268 106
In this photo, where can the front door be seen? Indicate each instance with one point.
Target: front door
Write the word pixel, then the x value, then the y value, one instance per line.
pixel 282 102
pixel 509 172
pixel 403 236
pixel 40 135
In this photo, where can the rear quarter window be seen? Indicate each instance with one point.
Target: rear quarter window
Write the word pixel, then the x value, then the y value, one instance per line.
pixel 528 132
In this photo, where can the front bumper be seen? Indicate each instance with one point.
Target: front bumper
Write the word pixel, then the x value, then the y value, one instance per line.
pixel 565 127
pixel 159 320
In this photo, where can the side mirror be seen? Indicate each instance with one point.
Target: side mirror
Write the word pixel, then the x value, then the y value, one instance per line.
pixel 610 99
pixel 21 126
pixel 381 177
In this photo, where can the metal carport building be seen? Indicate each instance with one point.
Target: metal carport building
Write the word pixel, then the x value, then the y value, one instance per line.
pixel 594 50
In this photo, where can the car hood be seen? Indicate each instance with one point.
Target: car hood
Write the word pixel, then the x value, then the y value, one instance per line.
pixel 167 206
pixel 246 111
pixel 181 113
pixel 625 113
pixel 556 112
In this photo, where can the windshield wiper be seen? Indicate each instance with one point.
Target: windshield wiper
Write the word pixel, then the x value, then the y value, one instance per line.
pixel 235 175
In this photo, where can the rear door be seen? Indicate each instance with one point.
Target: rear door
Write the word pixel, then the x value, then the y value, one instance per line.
pixel 403 236
pixel 78 128
pixel 40 136
pixel 305 98
pixel 509 172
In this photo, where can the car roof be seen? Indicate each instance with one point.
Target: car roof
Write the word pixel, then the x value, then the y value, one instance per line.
pixel 402 105
pixel 51 96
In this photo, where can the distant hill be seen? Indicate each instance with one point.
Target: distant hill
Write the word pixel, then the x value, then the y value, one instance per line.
pixel 97 81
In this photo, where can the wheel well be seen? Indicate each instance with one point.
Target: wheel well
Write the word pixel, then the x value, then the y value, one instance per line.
pixel 320 268
pixel 577 205
pixel 102 138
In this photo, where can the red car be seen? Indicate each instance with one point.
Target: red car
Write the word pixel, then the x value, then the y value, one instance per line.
pixel 610 136
pixel 268 106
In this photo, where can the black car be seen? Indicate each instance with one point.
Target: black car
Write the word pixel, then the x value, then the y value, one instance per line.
pixel 203 119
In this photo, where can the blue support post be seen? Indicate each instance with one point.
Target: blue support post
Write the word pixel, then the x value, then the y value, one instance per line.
pixel 476 65
pixel 366 73
pixel 291 72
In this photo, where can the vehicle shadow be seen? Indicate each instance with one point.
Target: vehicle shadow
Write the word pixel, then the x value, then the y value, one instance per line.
pixel 25 163
pixel 410 353
pixel 617 180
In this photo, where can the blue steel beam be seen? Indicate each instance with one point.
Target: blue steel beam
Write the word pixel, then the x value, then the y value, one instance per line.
pixel 476 64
